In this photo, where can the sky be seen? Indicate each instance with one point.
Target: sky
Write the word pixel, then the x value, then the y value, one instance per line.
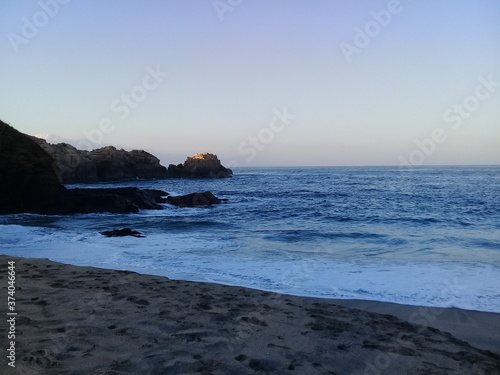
pixel 259 82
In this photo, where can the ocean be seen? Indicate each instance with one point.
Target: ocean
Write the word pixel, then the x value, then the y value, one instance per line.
pixel 421 236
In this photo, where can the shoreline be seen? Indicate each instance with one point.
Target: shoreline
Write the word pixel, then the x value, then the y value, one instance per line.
pixel 479 328
pixel 91 320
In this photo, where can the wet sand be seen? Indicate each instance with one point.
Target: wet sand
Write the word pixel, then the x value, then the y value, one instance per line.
pixel 82 320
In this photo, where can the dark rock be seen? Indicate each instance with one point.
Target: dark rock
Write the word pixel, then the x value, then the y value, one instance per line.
pixel 122 233
pixel 160 196
pixel 29 184
pixel 143 199
pixel 113 164
pixel 200 166
pixel 84 201
pixel 113 200
pixel 194 200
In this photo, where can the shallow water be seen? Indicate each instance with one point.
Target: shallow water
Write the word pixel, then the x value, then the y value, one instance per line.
pixel 422 236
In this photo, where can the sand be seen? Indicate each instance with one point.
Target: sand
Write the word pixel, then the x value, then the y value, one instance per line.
pixel 82 320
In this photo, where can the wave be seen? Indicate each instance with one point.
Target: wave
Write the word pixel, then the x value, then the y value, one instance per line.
pixel 292 235
pixel 331 232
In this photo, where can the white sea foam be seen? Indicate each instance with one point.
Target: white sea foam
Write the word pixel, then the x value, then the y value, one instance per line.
pixel 200 258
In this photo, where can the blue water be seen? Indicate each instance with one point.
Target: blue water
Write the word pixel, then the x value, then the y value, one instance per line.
pixel 423 236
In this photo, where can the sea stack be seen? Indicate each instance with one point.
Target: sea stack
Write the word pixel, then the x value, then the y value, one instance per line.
pixel 203 165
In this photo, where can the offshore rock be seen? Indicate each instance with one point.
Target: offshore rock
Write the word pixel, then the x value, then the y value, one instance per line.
pixel 194 200
pixel 204 165
pixel 122 233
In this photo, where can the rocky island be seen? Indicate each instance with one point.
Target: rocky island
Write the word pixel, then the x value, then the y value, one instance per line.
pixel 204 165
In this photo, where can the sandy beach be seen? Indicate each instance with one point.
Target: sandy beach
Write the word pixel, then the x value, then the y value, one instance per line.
pixel 82 320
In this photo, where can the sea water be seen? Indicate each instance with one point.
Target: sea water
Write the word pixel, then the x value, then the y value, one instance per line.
pixel 421 236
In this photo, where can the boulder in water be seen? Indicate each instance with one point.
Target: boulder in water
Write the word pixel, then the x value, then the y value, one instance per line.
pixel 194 200
pixel 204 165
pixel 122 233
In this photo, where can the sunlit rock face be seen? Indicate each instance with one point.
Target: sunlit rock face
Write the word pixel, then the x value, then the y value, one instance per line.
pixel 204 165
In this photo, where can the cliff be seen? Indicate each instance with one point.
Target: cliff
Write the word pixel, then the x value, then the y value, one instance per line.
pixel 28 181
pixel 30 184
pixel 102 165
pixel 30 178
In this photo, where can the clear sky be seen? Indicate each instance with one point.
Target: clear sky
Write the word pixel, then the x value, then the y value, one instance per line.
pixel 259 82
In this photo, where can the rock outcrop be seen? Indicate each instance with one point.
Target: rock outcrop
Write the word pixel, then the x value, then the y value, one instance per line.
pixel 194 200
pixel 115 200
pixel 200 166
pixel 103 164
pixel 122 233
pixel 110 164
pixel 29 184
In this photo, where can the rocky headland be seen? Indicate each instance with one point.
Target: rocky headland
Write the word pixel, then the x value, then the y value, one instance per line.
pixel 101 165
pixel 108 164
pixel 30 182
